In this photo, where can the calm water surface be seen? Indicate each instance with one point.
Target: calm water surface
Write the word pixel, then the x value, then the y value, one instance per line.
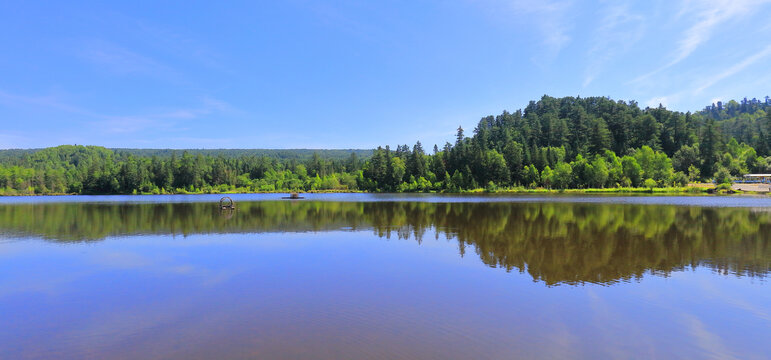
pixel 344 276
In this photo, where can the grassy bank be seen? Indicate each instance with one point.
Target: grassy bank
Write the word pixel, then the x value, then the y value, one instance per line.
pixel 4 192
pixel 509 190
pixel 619 190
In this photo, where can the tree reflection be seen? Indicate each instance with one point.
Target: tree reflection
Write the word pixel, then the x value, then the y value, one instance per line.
pixel 557 243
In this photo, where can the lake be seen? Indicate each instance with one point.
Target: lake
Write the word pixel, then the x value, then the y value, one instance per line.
pixel 366 276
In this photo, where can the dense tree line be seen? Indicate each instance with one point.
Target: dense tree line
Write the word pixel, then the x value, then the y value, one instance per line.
pixel 568 142
pixel 97 170
pixel 581 143
pixel 745 121
pixel 280 154
pixel 11 155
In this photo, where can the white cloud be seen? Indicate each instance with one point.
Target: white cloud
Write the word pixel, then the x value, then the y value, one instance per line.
pixel 720 41
pixel 621 29
pixel 176 43
pixel 710 342
pixel 734 69
pixel 551 18
pixel 48 101
pixel 656 101
pixel 13 140
pixel 120 59
pixel 709 15
pixel 161 119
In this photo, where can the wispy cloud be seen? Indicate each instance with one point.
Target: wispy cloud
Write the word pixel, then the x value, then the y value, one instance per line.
pixel 47 101
pixel 709 342
pixel 334 16
pixel 551 18
pixel 734 69
pixel 110 123
pixel 160 120
pixel 708 15
pixel 119 59
pixel 697 86
pixel 13 140
pixel 132 124
pixel 621 29
pixel 136 45
pixel 658 100
pixel 180 45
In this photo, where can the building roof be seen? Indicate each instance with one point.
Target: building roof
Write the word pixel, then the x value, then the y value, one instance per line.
pixel 757 175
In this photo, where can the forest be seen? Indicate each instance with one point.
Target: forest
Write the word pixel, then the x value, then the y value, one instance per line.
pixel 553 143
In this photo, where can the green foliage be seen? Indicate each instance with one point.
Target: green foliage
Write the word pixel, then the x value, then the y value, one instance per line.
pixel 97 170
pixel 530 176
pixel 685 158
pixel 562 143
pixel 693 173
pixel 563 175
pixel 723 176
pixel 598 173
pixel 679 179
pixel 654 164
pixel 547 177
pixel 631 170
pixel 553 137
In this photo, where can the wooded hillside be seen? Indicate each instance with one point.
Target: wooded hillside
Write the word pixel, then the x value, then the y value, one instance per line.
pixel 568 142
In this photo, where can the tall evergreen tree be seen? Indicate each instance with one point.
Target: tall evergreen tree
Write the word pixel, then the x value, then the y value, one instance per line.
pixel 709 147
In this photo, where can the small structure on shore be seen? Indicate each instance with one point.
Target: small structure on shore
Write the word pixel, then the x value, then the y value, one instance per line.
pixel 293 196
pixel 757 178
pixel 754 183
pixel 226 203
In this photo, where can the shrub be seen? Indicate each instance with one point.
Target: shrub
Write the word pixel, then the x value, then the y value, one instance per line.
pixel 679 179
pixel 723 176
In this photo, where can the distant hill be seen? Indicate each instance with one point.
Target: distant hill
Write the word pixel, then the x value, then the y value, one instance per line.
pixel 8 156
pixel 559 143
pixel 15 156
pixel 732 108
pixel 743 120
pixel 283 154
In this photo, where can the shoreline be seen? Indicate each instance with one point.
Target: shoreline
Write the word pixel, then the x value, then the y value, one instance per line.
pixel 688 190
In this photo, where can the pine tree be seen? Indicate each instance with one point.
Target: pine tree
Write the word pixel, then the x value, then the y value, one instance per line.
pixel 709 148
pixel 599 139
pixel 416 164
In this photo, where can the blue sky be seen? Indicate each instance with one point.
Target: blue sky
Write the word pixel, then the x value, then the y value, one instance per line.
pixel 353 74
